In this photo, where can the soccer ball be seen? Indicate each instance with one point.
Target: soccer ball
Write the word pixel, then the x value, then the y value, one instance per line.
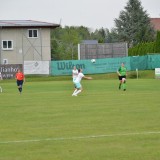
pixel 93 60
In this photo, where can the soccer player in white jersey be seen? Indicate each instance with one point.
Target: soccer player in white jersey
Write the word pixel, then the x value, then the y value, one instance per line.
pixel 1 79
pixel 74 73
pixel 77 82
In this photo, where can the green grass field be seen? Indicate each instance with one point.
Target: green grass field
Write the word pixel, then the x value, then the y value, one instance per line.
pixel 102 123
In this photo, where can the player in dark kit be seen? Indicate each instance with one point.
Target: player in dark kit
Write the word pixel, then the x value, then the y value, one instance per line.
pixel 122 72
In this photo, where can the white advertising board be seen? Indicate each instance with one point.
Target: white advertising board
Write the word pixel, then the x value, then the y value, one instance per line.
pixel 36 67
pixel 157 72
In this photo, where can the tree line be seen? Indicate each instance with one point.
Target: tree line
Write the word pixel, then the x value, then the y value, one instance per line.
pixel 144 48
pixel 132 26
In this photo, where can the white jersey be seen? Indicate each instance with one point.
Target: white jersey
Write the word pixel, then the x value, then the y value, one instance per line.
pixel 79 77
pixel 74 73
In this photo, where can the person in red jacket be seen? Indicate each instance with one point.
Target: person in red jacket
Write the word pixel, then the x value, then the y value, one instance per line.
pixel 20 79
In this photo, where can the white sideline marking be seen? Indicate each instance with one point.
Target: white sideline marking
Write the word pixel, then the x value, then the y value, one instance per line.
pixel 80 137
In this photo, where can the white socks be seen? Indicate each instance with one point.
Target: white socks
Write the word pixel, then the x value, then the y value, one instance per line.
pixel 76 92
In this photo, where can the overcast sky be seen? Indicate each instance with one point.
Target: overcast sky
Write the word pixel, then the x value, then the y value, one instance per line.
pixel 93 14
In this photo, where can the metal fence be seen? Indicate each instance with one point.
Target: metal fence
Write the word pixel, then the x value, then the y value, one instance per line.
pixel 102 50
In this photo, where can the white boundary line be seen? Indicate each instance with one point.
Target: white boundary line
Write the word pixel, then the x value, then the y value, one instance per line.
pixel 79 137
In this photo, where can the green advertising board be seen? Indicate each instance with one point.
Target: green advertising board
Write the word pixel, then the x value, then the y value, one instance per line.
pixel 107 65
pixel 88 66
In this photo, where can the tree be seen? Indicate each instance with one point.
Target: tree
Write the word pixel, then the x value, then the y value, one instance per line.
pixel 133 24
pixel 56 44
pixel 64 43
pixel 70 40
pixel 99 35
pixel 111 36
pixel 157 43
pixel 83 32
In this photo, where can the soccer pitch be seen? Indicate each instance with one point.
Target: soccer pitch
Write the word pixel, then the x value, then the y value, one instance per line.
pixel 101 123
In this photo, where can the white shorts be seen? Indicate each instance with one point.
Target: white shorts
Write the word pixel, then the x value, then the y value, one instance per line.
pixel 78 85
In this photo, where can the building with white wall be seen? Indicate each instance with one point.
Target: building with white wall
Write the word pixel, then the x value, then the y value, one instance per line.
pixel 25 40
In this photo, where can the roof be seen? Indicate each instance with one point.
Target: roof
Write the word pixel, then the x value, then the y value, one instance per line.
pixel 26 23
pixel 89 42
pixel 156 23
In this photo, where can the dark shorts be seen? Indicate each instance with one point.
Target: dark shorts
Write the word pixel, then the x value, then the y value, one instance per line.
pixel 121 77
pixel 19 82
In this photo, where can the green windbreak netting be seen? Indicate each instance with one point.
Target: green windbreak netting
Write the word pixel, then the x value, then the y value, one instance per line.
pixel 106 65
pixel 139 62
pixel 153 61
pixel 89 67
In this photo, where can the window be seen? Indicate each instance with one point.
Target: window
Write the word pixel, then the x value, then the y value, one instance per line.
pixel 33 33
pixel 7 45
